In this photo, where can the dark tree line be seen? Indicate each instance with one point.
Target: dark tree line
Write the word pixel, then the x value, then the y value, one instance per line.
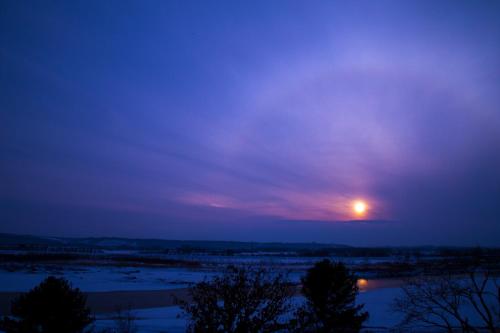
pixel 245 300
pixel 240 300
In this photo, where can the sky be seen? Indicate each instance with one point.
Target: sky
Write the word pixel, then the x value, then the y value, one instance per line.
pixel 252 120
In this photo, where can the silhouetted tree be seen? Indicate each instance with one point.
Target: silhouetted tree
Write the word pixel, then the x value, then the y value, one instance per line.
pixel 468 303
pixel 241 300
pixel 51 307
pixel 330 291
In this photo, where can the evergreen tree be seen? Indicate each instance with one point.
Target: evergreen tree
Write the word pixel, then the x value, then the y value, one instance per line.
pixel 51 307
pixel 330 291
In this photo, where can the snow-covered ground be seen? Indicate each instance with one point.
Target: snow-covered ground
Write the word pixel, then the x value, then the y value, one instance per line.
pixel 155 320
pixel 169 319
pixel 104 278
pixel 378 303
pixel 376 294
pixel 23 277
pixel 112 278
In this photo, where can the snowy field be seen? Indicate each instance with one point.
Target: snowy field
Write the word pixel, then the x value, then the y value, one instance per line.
pixel 105 278
pixel 189 269
pixel 378 303
pixel 376 294
pixel 113 278
pixel 169 319
pixel 90 276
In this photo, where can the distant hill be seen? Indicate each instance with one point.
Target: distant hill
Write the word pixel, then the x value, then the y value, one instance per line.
pixel 13 239
pixel 157 244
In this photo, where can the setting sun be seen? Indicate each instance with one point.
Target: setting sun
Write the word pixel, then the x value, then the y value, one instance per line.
pixel 359 207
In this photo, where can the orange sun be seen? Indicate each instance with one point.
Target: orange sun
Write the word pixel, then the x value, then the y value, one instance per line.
pixel 359 207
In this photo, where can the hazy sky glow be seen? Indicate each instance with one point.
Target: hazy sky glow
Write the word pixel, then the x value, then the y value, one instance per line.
pixel 255 120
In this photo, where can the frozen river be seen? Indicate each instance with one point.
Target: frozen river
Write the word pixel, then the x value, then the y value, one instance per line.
pixel 149 291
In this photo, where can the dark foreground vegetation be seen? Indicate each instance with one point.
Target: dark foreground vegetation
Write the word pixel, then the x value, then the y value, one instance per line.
pixel 255 300
pixel 241 300
pixel 249 300
pixel 330 291
pixel 470 303
pixel 53 306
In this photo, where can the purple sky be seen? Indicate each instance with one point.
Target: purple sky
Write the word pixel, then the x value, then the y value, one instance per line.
pixel 252 120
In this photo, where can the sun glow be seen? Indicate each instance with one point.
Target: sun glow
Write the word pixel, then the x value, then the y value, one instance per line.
pixel 362 283
pixel 359 207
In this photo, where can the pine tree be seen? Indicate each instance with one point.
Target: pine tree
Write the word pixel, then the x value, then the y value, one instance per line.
pixel 330 291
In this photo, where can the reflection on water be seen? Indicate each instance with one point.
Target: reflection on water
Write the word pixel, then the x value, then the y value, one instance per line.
pixel 366 285
pixel 362 283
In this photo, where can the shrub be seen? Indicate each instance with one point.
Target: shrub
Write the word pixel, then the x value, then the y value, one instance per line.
pixel 241 301
pixel 51 307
